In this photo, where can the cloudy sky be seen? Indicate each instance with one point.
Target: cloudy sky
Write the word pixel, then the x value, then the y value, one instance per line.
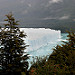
pixel 38 11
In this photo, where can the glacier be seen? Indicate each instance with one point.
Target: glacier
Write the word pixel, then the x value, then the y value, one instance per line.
pixel 41 41
pixel 40 37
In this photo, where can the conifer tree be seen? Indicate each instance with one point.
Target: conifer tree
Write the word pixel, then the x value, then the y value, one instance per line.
pixel 65 54
pixel 12 47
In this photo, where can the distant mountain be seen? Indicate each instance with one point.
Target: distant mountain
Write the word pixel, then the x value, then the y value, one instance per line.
pixel 55 14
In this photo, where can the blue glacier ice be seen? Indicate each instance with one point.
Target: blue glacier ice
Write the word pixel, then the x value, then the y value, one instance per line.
pixel 37 38
pixel 41 41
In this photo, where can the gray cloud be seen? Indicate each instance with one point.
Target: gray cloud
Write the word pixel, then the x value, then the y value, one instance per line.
pixel 73 19
pixel 25 12
pixel 49 18
pixel 22 1
pixel 38 11
pixel 29 5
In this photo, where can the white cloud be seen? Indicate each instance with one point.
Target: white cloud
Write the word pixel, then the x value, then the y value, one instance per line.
pixel 64 17
pixel 52 2
pixel 55 1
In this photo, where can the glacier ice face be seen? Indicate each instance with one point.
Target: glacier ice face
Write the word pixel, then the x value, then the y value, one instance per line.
pixel 40 41
pixel 39 37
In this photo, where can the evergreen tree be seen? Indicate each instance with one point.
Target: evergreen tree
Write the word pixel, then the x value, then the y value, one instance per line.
pixel 65 54
pixel 12 47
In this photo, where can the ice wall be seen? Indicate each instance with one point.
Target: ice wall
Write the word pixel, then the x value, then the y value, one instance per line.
pixel 37 38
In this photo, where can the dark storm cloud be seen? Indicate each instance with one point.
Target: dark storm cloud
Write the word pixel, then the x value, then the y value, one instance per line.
pixel 35 8
pixel 38 11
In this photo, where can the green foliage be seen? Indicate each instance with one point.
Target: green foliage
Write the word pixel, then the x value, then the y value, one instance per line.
pixel 60 62
pixel 65 54
pixel 39 60
pixel 12 47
